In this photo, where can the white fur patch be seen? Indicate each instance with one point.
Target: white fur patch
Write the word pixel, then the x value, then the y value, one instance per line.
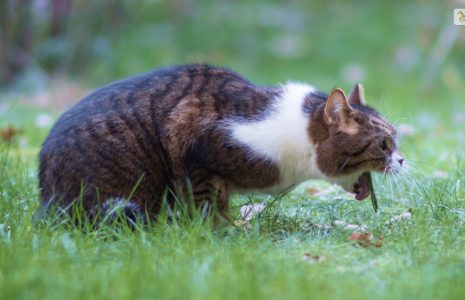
pixel 282 137
pixel 396 161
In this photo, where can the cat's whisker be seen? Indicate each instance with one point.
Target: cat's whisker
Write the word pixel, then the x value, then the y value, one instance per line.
pixel 399 121
pixel 414 172
pixel 344 164
pixel 408 175
pixel 385 173
pixel 414 162
pixel 396 180
pixel 413 179
pixel 394 185
pixel 419 164
pixel 416 165
pixel 410 166
pixel 389 186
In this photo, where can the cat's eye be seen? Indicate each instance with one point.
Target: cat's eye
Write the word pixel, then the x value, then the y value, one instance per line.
pixel 383 145
pixel 387 144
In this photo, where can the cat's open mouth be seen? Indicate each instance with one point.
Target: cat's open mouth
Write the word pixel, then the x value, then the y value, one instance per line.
pixel 362 187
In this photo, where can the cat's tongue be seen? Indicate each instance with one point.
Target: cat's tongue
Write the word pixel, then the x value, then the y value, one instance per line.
pixel 362 187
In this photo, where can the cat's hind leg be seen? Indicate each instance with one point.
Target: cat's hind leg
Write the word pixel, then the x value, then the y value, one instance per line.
pixel 212 191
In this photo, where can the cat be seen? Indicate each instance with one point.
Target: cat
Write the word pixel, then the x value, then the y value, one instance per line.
pixel 206 132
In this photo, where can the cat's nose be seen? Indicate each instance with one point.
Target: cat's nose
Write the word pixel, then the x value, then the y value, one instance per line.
pixel 397 157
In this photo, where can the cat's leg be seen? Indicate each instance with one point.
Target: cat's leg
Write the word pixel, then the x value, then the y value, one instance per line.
pixel 213 192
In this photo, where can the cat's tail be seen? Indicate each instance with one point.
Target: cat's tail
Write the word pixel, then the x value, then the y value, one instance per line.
pixel 111 212
pixel 119 210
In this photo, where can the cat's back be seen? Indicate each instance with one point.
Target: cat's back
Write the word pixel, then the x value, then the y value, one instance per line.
pixel 123 96
pixel 160 90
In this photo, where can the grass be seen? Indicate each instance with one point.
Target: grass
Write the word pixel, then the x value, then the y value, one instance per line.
pixel 422 257
pixel 419 258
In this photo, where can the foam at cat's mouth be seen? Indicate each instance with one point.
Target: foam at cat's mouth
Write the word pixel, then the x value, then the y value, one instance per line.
pixel 362 187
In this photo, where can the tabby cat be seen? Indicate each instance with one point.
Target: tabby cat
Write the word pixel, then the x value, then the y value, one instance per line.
pixel 207 132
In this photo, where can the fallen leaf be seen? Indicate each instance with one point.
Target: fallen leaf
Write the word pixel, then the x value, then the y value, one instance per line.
pixel 366 239
pixel 323 193
pixel 251 210
pixel 9 133
pixel 359 236
pixel 312 191
pixel 379 242
pixel 311 258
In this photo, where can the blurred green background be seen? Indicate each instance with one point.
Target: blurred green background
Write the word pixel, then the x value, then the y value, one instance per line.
pixel 410 58
pixel 408 54
pixel 408 48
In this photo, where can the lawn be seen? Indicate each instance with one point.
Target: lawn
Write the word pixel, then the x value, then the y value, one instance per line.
pixel 299 246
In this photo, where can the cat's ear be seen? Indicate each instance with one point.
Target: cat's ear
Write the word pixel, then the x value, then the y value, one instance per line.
pixel 357 96
pixel 337 108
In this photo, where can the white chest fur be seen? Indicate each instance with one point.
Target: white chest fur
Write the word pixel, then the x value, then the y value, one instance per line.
pixel 283 138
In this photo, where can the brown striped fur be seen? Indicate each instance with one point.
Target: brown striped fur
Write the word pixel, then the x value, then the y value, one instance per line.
pixel 160 128
pixel 165 132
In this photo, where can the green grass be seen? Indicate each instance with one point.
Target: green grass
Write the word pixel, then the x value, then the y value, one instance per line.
pixel 420 258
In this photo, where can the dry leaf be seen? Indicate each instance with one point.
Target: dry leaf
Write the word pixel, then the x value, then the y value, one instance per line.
pixel 312 191
pixel 358 236
pixel 322 193
pixel 379 242
pixel 9 133
pixel 366 239
pixel 311 258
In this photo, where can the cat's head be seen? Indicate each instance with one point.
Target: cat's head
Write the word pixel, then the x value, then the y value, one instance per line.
pixel 353 139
